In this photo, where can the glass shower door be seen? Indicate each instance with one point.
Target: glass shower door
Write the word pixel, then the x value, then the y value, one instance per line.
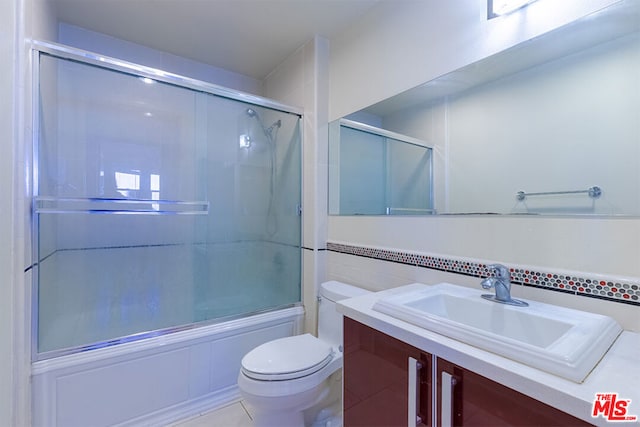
pixel 253 231
pixel 156 207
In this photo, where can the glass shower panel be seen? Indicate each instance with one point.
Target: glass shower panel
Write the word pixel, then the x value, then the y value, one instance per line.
pixel 363 179
pixel 253 231
pixel 115 250
pixel 113 135
pixel 373 171
pixel 157 207
pixel 409 180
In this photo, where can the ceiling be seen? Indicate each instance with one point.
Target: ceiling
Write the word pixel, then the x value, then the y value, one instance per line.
pixel 249 37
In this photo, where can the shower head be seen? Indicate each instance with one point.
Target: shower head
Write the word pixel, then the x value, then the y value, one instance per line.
pixel 276 124
pixel 267 130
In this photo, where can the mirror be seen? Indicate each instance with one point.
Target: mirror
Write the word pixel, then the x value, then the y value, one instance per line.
pixel 548 127
pixel 378 172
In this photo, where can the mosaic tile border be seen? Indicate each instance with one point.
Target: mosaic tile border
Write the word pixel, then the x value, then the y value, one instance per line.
pixel 608 288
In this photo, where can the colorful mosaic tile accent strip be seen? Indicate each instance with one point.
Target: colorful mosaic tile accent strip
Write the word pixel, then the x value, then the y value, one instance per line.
pixel 612 289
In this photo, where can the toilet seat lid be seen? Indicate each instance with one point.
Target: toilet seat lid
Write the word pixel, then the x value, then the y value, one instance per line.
pixel 287 358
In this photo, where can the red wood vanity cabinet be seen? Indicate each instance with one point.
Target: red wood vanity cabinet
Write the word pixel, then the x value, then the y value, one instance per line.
pixel 376 379
pixel 385 380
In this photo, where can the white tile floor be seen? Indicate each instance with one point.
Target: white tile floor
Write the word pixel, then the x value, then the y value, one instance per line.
pixel 233 415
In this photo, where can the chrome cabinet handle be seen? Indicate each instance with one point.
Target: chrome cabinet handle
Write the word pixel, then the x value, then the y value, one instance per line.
pixel 413 395
pixel 446 404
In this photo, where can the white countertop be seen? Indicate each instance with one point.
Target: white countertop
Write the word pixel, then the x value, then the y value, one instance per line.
pixel 617 372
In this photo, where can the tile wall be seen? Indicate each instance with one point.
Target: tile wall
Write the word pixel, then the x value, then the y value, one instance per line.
pixel 621 290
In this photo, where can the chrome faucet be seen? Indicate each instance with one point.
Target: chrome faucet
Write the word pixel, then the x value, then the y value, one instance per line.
pixel 501 282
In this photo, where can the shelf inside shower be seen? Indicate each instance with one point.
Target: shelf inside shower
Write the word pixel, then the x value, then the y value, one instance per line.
pixel 101 205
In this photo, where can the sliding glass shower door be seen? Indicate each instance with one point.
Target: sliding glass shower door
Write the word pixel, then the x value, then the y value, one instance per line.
pixel 157 205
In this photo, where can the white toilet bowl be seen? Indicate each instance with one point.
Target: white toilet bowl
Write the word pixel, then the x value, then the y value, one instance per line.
pixel 280 396
pixel 297 381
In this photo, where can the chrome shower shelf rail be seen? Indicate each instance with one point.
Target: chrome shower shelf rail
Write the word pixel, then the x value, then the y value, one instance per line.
pixel 594 192
pixel 97 205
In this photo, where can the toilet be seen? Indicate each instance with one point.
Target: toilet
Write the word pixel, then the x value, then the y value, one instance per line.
pixel 297 381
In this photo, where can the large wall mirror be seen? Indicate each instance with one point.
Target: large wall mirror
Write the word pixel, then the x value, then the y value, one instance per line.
pixel 550 126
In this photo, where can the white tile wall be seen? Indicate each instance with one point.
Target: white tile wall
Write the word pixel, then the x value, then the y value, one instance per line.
pixel 8 131
pixel 608 246
pixel 21 20
pixel 302 80
pixel 110 46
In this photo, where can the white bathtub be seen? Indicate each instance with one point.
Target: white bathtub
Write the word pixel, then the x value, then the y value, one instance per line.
pixel 153 381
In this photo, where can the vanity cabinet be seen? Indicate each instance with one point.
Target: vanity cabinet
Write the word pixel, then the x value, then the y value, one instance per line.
pixel 468 399
pixel 385 380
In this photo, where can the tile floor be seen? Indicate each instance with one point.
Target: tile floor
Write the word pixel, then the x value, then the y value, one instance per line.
pixel 233 415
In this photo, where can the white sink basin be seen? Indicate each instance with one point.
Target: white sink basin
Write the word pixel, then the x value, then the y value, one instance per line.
pixel 562 341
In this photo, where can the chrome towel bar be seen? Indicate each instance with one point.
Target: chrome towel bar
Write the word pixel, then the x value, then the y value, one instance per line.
pixel 594 192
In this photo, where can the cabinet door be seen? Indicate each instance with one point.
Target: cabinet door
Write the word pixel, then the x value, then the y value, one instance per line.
pixel 465 398
pixel 377 387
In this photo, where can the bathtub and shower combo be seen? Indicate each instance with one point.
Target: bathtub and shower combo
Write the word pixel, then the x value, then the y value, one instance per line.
pixel 166 235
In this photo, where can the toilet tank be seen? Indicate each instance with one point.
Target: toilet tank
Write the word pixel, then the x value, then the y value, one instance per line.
pixel 329 320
